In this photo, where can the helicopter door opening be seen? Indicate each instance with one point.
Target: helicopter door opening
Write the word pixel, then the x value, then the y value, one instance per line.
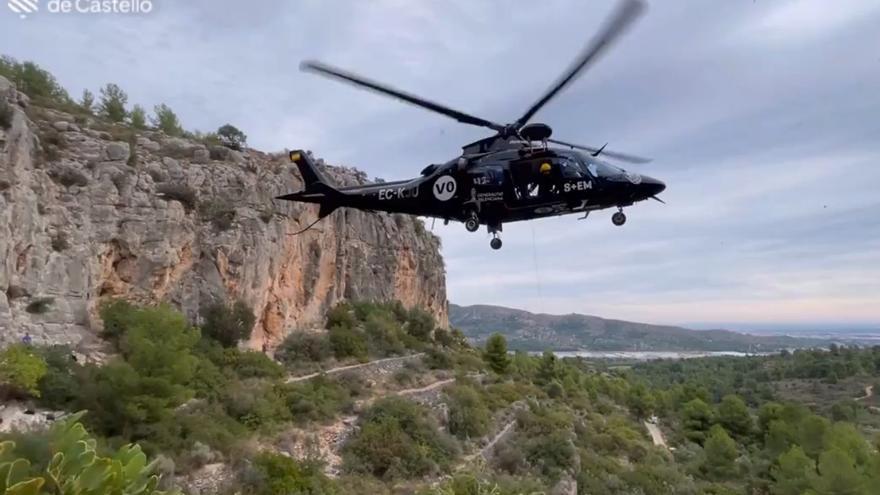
pixel 535 181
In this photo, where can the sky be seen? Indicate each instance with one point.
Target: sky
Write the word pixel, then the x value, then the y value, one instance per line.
pixel 762 117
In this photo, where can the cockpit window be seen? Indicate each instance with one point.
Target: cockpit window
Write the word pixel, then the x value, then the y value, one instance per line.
pixel 571 169
pixel 601 169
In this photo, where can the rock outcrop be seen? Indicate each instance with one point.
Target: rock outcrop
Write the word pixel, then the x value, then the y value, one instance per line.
pixel 90 211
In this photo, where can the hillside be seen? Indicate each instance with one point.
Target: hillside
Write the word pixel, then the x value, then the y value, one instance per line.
pixel 535 332
pixel 91 210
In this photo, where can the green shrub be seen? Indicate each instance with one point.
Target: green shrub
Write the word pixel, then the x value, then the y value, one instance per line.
pixel 438 359
pixel 58 387
pixel 496 354
pixel 117 315
pixel 341 315
pixel 468 415
pixel 219 212
pixel 87 101
pixel 304 346
pixel 398 439
pixel 179 192
pixel 228 324
pixel 138 118
pixel 256 404
pixel 385 334
pixel 112 104
pixel 252 364
pixel 166 120
pixel 21 369
pixel 275 474
pixel 33 80
pixel 231 137
pixel 419 324
pixel 347 342
pixel 40 305
pixel 318 399
pixel 76 466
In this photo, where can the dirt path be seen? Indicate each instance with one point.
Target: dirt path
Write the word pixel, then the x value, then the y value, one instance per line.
pixel 412 391
pixel 869 392
pixel 656 435
pixel 485 451
pixel 339 369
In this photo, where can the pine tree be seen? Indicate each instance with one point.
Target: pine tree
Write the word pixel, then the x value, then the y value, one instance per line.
pixel 138 117
pixel 166 120
pixel 87 101
pixel 113 100
pixel 720 454
pixel 793 473
pixel 733 415
pixel 496 353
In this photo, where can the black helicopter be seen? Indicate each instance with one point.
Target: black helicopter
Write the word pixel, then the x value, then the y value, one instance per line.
pixel 511 176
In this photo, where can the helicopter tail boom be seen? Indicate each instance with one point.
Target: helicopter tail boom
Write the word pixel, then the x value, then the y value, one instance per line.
pixel 317 190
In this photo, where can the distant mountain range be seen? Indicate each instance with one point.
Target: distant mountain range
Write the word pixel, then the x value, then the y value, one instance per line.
pixel 572 332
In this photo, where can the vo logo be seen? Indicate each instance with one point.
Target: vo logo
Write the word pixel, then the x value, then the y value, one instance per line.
pixel 444 188
pixel 23 7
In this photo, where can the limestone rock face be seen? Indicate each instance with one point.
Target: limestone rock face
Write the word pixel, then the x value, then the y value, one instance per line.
pixel 87 214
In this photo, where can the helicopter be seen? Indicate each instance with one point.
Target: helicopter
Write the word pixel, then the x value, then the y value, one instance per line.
pixel 513 175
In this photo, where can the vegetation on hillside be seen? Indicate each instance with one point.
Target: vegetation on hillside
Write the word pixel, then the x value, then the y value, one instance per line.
pixel 111 107
pixel 190 394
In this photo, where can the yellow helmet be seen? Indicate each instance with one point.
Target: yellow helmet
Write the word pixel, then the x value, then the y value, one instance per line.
pixel 545 168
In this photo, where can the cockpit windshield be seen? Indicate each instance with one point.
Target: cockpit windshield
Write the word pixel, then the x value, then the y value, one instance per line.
pixel 599 168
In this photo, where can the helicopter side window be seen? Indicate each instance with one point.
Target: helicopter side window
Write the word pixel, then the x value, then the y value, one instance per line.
pixel 570 168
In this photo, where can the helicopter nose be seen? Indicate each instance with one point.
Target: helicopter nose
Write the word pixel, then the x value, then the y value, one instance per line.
pixel 651 187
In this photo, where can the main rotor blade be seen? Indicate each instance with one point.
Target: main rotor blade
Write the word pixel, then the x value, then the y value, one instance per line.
pixel 603 152
pixel 336 73
pixel 627 11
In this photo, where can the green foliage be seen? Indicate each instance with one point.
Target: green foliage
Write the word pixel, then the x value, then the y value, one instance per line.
pixel 720 454
pixel 495 354
pixel 33 80
pixel 733 415
pixel 231 137
pixel 468 415
pixel 112 104
pixel 279 475
pixel 347 342
pixel 166 120
pixel 304 347
pixel 697 418
pixel 398 439
pixel 87 101
pixel 793 472
pixel 219 211
pixel 76 468
pixel 839 475
pixel 318 399
pixel 548 369
pixel 138 117
pixel 21 369
pixel 251 364
pixel 256 404
pixel 228 324
pixel 58 387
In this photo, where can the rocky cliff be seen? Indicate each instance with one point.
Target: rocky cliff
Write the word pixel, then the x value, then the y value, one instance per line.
pixel 90 211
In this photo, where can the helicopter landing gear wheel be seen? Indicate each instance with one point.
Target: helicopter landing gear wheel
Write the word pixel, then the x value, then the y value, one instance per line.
pixel 618 218
pixel 494 229
pixel 472 224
